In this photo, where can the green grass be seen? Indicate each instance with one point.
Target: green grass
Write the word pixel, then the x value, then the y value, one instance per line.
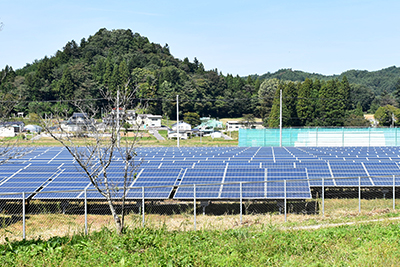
pixel 373 244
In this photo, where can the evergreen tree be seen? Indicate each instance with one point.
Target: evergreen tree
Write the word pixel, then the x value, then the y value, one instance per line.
pixel 345 92
pixel 65 87
pixel 396 92
pixel 305 102
pixel 290 100
pixel 332 104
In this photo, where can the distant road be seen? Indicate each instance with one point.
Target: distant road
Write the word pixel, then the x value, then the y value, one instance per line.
pixel 156 135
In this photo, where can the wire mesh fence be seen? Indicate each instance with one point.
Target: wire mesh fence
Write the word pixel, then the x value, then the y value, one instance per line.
pixel 286 203
pixel 320 137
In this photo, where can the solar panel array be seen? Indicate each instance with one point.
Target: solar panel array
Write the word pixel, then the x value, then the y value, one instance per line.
pixel 261 171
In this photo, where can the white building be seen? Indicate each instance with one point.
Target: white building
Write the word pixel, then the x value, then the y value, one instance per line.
pixel 233 126
pixel 77 123
pixel 148 120
pixel 7 131
pixel 183 126
pixel 11 129
pixel 185 130
pixel 174 135
pixel 236 125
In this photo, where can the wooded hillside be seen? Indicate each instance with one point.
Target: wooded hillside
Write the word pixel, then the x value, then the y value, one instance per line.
pixel 110 58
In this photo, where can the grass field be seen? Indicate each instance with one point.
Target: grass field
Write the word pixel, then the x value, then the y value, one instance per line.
pixel 366 244
pixel 146 140
pixel 343 237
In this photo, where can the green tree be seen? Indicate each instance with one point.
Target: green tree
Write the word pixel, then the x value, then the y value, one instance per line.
pixel 306 103
pixel 266 96
pixel 65 88
pixel 396 92
pixel 192 118
pixel 387 99
pixel 248 120
pixel 387 115
pixel 332 104
pixel 290 92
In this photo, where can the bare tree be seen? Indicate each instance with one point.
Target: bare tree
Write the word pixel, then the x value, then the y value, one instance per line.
pixel 9 147
pixel 96 146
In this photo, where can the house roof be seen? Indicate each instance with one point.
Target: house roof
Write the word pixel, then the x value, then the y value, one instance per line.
pixel 181 122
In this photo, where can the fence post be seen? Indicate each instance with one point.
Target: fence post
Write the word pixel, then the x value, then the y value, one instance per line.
pixel 23 217
pixel 285 201
pixel 241 203
pixel 342 136
pixel 86 212
pixel 143 218
pixel 394 192
pixel 323 196
pixel 316 137
pixel 194 206
pixel 369 136
pixel 265 133
pixel 359 194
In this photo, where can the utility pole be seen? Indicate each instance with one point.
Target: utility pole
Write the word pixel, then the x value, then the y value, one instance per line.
pixel 118 133
pixel 177 119
pixel 280 119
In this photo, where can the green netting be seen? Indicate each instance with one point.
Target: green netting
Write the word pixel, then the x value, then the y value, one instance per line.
pixel 320 137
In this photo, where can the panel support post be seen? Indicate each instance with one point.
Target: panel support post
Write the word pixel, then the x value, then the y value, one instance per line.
pixel 194 207
pixel 86 213
pixel 323 196
pixel 285 204
pixel 241 202
pixel 118 122
pixel 23 217
pixel 359 194
pixel 177 120
pixel 143 218
pixel 394 192
pixel 280 119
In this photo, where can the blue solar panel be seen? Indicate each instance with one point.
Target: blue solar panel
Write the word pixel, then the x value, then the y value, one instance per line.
pixel 54 168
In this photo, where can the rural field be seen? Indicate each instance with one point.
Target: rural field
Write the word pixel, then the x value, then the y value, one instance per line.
pixel 343 237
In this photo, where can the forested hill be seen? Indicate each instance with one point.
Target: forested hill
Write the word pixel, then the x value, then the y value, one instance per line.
pixel 378 81
pixel 110 58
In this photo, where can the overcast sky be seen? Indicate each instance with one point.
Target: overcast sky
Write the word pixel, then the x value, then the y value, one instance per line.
pixel 237 37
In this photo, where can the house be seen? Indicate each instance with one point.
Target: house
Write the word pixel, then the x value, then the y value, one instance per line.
pixel 11 128
pixel 183 126
pixel 233 126
pixel 185 130
pixel 78 122
pixel 148 121
pixel 371 119
pixel 208 125
pixel 216 134
pixel 182 135
pixel 236 125
pixel 32 128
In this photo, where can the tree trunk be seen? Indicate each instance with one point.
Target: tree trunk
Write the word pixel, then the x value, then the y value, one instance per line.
pixel 118 224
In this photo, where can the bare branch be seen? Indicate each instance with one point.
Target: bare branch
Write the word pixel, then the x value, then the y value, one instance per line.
pixel 93 143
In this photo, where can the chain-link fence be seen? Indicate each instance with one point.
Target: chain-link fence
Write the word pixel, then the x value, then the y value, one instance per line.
pixel 285 203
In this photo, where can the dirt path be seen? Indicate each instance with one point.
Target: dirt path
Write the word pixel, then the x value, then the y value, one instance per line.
pixel 319 226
